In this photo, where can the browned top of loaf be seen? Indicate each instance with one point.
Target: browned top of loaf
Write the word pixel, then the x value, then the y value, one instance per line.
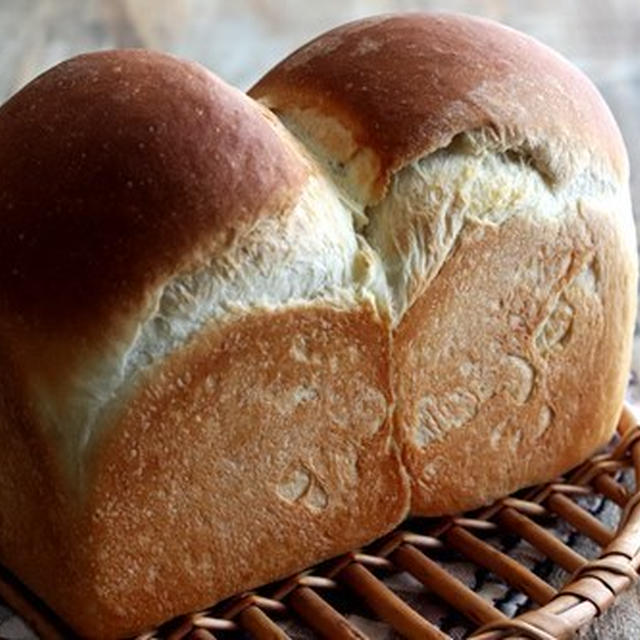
pixel 404 85
pixel 116 170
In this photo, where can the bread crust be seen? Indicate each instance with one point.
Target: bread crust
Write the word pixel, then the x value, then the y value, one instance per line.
pixel 519 339
pixel 261 448
pixel 530 363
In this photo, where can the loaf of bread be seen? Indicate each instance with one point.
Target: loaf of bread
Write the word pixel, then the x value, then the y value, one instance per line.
pixel 239 335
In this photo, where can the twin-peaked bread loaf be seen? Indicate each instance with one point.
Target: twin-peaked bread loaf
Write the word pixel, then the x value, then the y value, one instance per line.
pixel 239 336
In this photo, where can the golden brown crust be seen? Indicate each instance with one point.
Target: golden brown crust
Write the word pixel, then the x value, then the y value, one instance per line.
pixel 119 170
pixel 530 362
pixel 261 448
pixel 404 85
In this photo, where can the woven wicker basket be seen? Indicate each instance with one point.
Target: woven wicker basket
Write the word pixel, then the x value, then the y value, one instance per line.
pixel 593 587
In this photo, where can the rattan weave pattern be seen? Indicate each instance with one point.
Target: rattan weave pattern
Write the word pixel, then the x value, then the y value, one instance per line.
pixel 310 596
